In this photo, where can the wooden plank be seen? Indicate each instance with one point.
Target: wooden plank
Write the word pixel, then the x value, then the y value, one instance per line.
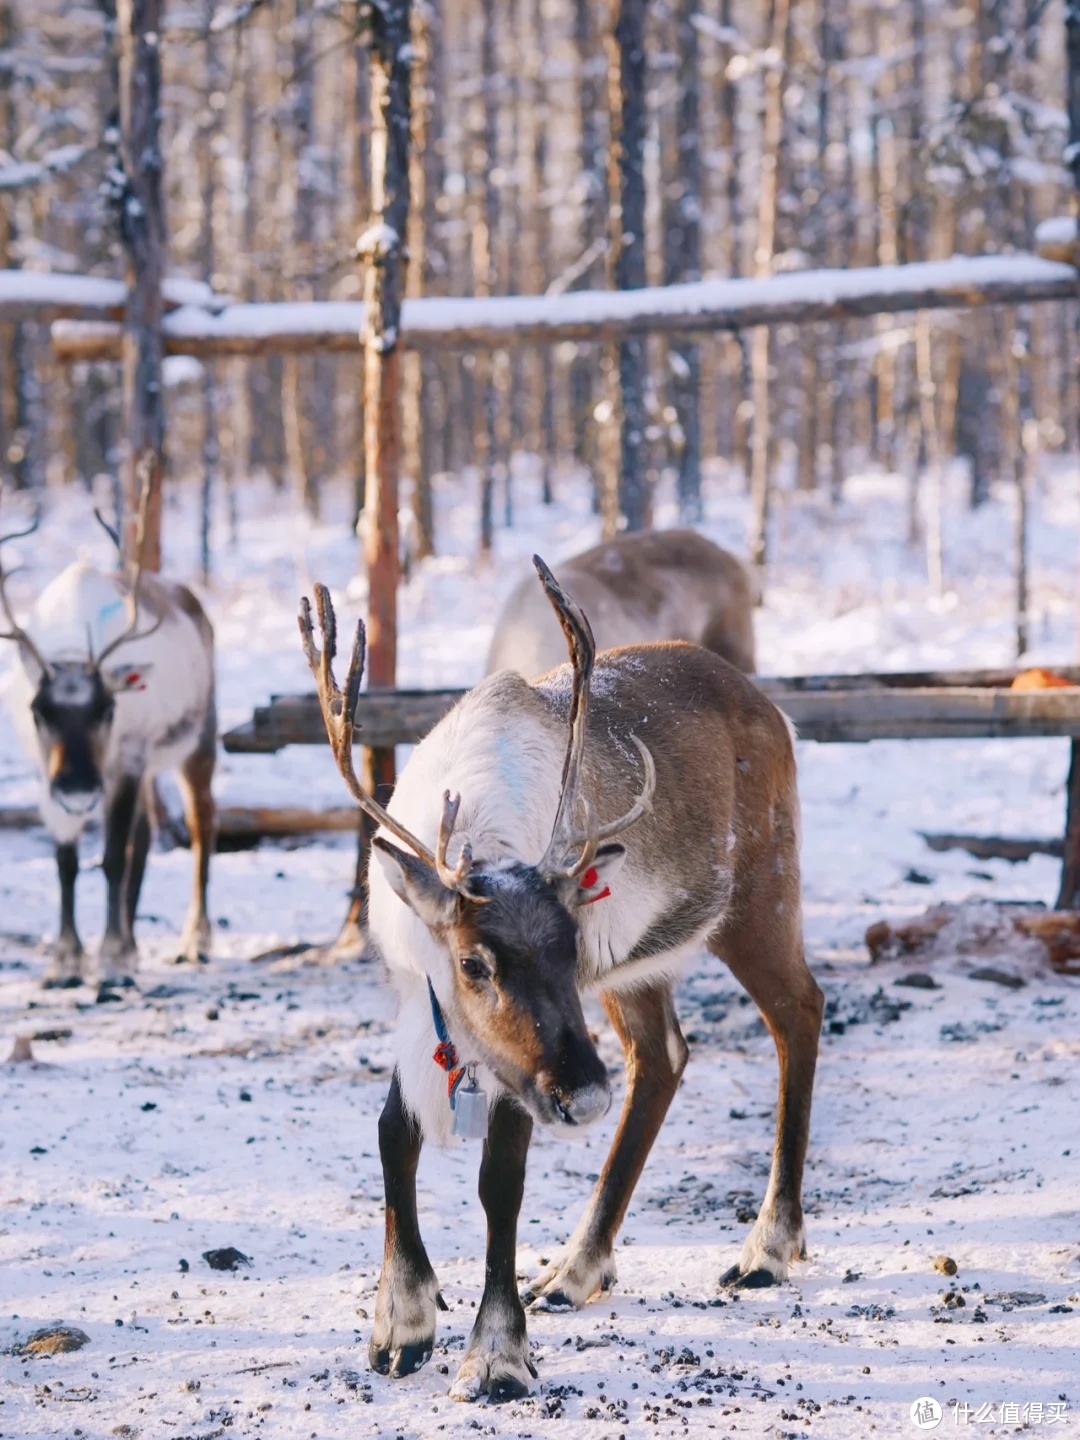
pixel 384 718
pixel 438 322
pixel 828 715
pixel 234 822
pixel 1000 679
pixel 954 713
pixel 994 847
pixel 245 740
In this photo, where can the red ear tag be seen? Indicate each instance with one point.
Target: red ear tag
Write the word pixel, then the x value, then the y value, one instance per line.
pixel 589 880
pixel 133 681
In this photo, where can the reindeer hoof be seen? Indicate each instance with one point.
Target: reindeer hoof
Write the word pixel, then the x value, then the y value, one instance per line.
pixel 61 982
pixel 507 1388
pixel 570 1284
pixel 397 1363
pixel 112 988
pixel 553 1302
pixel 500 1377
pixel 733 1279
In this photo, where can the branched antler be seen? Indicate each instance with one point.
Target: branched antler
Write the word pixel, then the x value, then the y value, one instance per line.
pixel 572 850
pixel 339 709
pixel 132 631
pixel 456 877
pixel 16 631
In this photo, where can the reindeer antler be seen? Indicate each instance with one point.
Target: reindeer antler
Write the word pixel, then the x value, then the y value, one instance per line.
pixel 571 851
pixel 133 594
pixel 17 633
pixel 338 710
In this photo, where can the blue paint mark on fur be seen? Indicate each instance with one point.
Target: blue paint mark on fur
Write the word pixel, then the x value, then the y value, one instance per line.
pixel 512 774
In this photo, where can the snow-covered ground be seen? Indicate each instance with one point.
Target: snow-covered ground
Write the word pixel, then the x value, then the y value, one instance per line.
pixel 236 1105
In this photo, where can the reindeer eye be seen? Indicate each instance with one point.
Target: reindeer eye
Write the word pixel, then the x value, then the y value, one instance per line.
pixel 474 967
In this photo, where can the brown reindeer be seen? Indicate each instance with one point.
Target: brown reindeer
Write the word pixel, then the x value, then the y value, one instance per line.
pixel 638 588
pixel 501 905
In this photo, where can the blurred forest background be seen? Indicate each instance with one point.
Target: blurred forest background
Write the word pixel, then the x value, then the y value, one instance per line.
pixel 894 132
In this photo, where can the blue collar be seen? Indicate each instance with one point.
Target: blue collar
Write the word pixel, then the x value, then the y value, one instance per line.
pixel 446 1056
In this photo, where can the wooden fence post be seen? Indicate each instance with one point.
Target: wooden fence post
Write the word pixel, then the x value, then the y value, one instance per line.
pixel 389 37
pixel 142 230
pixel 1069 892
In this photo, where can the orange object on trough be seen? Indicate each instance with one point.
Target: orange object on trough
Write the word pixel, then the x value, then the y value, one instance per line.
pixel 1041 680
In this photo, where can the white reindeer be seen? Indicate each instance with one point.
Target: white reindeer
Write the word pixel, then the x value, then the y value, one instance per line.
pixel 102 706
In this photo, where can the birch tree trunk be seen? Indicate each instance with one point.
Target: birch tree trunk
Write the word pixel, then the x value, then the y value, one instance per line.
pixel 627 486
pixel 142 230
pixel 383 248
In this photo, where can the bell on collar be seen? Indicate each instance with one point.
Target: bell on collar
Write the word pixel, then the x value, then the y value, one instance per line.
pixel 471 1110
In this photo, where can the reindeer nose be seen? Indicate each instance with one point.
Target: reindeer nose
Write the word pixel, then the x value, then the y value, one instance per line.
pixel 577 1105
pixel 586 1105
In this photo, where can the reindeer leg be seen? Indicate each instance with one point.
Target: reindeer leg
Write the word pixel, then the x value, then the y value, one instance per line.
pixel 65 967
pixel 656 1057
pixel 196 774
pixel 764 952
pixel 138 849
pixel 118 956
pixel 404 1328
pixel 497 1361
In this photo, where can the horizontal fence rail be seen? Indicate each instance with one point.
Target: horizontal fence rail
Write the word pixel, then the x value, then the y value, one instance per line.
pixel 86 311
pixel 919 705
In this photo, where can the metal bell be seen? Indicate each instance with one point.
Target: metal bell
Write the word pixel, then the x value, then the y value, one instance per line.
pixel 471 1111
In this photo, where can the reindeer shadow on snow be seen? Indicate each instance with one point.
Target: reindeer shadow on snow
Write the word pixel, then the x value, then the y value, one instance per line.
pixel 511 898
pixel 101 706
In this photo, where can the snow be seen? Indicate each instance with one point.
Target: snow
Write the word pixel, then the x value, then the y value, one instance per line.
pixel 378 240
pixel 61 161
pixel 1061 230
pixel 31 295
pixel 208 321
pixel 155 1132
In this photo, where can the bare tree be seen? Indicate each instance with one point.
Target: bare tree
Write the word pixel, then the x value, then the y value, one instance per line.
pixel 682 257
pixel 772 135
pixel 142 229
pixel 627 499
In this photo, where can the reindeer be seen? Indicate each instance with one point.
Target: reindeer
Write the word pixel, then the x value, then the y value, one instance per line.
pixel 101 707
pixel 503 902
pixel 637 588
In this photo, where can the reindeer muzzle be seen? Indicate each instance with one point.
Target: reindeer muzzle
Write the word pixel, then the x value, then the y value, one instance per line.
pixel 580 1106
pixel 75 802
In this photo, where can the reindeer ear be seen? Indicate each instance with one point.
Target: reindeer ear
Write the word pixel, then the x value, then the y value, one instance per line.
pixel 417 884
pixel 121 679
pixel 595 882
